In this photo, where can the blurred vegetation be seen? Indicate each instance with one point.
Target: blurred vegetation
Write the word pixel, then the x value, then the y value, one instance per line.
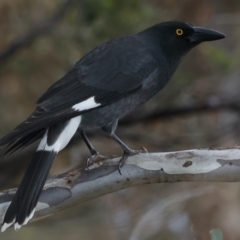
pixel 209 73
pixel 216 234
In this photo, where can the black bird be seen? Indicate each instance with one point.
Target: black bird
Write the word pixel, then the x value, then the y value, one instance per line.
pixel 106 84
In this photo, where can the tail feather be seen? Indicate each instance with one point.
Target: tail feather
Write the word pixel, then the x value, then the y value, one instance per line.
pixel 41 164
pixel 40 184
pixel 25 200
pixel 23 205
pixel 23 142
pixel 37 122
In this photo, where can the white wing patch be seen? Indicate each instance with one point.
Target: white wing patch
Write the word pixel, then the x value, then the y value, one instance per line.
pixel 85 105
pixel 64 137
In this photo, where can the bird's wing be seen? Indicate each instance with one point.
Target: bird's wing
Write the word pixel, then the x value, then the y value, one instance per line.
pixel 108 73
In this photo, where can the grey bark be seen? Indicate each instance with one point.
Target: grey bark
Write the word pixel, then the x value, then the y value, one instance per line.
pixel 79 185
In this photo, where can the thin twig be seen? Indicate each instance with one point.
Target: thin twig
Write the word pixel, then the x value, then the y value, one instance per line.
pixel 40 29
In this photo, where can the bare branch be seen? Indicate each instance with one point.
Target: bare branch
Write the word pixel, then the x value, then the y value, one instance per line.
pixel 77 185
pixel 37 30
pixel 210 105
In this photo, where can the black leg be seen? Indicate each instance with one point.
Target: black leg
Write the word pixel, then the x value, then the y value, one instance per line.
pixel 126 151
pixel 94 153
pixel 110 129
pixel 85 139
pixel 125 148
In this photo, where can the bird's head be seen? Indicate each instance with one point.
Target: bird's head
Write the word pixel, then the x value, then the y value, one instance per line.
pixel 179 37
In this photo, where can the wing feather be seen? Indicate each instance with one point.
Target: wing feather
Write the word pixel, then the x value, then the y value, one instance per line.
pixel 108 73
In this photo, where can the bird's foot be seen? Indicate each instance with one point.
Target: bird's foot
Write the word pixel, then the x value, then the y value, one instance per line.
pixel 96 157
pixel 127 154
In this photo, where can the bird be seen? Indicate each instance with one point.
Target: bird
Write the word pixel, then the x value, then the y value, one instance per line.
pixel 101 88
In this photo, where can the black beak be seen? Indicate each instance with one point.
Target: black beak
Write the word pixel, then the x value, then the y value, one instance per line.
pixel 204 34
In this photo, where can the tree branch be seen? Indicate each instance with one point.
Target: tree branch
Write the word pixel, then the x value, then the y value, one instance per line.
pixel 77 185
pixel 37 30
pixel 209 105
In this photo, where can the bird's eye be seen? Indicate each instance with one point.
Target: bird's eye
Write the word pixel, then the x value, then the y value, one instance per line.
pixel 179 32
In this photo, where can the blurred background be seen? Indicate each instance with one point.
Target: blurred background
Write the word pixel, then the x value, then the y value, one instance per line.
pixel 42 39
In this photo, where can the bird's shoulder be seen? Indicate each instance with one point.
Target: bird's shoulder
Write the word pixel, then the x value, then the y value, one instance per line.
pixel 125 54
pixel 119 65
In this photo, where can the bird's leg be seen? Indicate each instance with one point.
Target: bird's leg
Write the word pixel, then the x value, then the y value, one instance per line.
pixel 94 153
pixel 110 129
pixel 126 151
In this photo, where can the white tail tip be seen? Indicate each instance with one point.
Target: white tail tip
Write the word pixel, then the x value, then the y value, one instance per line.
pixel 6 225
pixel 17 226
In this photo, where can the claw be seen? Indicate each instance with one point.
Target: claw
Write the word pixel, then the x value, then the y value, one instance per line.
pixel 122 161
pixel 119 169
pixel 89 162
pixel 126 154
pixel 143 150
pixel 96 156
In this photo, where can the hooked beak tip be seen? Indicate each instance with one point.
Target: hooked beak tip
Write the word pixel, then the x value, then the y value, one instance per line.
pixel 205 34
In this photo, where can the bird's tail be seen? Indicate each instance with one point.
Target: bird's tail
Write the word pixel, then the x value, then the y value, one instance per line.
pixel 23 205
pixel 24 202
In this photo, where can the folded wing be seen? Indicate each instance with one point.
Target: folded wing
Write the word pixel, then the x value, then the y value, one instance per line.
pixel 108 73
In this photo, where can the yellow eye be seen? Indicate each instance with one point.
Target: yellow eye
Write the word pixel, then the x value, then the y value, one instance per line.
pixel 179 32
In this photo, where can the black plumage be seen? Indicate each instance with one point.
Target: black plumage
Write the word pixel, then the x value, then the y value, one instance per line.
pixel 106 84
